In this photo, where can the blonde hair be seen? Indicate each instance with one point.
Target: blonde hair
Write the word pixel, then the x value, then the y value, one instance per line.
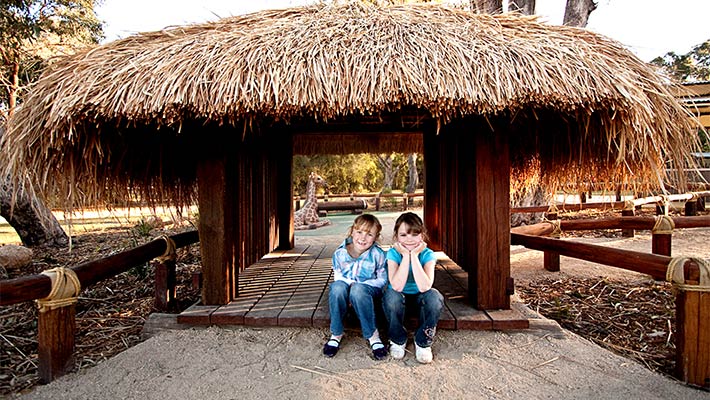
pixel 415 225
pixel 366 222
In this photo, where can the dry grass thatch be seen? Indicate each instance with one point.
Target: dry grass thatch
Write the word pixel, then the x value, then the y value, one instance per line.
pixel 137 113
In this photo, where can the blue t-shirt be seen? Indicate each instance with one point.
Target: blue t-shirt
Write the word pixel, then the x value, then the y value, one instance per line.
pixel 424 257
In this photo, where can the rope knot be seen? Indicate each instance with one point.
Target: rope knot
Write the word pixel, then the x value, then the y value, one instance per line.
pixel 675 274
pixel 664 225
pixel 65 289
pixel 629 205
pixel 556 227
pixel 169 254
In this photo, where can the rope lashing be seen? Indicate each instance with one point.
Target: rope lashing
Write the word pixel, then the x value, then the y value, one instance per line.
pixel 552 209
pixel 664 225
pixel 556 227
pixel 65 289
pixel 629 205
pixel 169 254
pixel 676 275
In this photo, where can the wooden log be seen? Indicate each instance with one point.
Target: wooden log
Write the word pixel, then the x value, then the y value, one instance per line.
pixel 26 288
pixel 661 243
pixel 651 264
pixel 55 342
pixel 165 286
pixel 343 205
pixel 693 332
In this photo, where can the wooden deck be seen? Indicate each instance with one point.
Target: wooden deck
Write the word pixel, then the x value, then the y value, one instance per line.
pixel 290 288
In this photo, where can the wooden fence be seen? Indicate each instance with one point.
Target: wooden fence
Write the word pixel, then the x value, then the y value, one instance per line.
pixel 56 292
pixel 57 324
pixel 690 276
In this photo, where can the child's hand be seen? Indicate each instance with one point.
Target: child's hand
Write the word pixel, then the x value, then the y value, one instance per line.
pixel 420 247
pixel 400 249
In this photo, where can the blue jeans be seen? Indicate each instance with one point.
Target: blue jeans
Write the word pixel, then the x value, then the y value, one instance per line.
pixel 429 304
pixel 361 296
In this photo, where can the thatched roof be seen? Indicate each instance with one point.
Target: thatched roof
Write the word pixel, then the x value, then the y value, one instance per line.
pixel 136 112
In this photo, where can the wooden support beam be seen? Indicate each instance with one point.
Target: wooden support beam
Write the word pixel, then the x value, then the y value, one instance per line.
pixel 216 205
pixel 551 259
pixel 55 342
pixel 284 189
pixel 165 286
pixel 629 232
pixel 432 188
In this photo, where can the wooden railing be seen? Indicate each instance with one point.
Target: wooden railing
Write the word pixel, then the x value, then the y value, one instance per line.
pixel 686 274
pixel 395 198
pixel 56 323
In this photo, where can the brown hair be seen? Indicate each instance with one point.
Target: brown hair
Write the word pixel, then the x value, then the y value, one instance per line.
pixel 415 224
pixel 366 222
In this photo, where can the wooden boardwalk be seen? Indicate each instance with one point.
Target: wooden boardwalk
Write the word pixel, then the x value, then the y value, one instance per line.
pixel 290 288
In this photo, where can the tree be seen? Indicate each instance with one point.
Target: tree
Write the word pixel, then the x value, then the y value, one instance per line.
pixel 693 66
pixel 577 12
pixel 390 164
pixel 33 31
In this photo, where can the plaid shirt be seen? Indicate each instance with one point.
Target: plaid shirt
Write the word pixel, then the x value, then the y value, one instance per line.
pixel 369 268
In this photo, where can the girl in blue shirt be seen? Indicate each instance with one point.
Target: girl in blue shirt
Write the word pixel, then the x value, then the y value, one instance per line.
pixel 359 276
pixel 410 269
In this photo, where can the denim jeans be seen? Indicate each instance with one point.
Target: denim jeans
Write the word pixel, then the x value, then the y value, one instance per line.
pixel 429 304
pixel 361 296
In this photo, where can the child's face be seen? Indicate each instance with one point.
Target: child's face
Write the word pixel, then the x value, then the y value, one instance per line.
pixel 363 239
pixel 408 240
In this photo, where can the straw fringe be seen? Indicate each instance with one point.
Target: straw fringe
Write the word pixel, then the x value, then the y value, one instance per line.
pixel 128 118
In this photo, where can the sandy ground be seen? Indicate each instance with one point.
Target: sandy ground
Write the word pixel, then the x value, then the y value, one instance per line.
pixel 545 362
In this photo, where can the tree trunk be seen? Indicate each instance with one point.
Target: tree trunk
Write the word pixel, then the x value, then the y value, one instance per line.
pixel 32 221
pixel 577 12
pixel 413 180
pixel 486 6
pixel 389 171
pixel 525 7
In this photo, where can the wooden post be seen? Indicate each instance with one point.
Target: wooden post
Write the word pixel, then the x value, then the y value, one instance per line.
pixel 692 322
pixel 618 192
pixel 628 212
pixel 216 194
pixel 483 225
pixel 551 260
pixel 661 235
pixel 55 342
pixel 691 207
pixel 432 187
pixel 404 202
pixel 284 189
pixel 377 202
pixel 165 285
pixel 582 197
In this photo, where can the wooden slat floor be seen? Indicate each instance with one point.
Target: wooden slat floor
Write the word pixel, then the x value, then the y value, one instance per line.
pixel 290 288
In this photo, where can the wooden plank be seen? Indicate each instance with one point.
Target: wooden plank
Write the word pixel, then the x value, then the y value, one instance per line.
pixel 687 326
pixel 432 200
pixel 55 342
pixel 299 309
pixel 197 314
pixel 464 316
pixel 265 312
pixel 702 376
pixel 507 319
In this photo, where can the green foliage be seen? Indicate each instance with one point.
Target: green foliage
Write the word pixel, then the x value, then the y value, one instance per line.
pixel 693 66
pixel 33 31
pixel 343 173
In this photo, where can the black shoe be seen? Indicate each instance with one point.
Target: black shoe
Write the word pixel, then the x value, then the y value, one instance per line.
pixel 329 350
pixel 379 353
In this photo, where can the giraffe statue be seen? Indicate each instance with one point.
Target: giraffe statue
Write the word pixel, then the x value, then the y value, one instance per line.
pixel 307 216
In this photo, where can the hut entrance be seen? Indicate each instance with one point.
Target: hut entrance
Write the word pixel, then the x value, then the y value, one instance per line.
pixel 466 205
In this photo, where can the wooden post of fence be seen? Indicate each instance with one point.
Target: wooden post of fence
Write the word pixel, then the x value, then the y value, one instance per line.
pixel 617 192
pixel 691 207
pixel 56 324
pixel 551 260
pixel 404 202
pixel 165 285
pixel 692 320
pixel 661 235
pixel 377 202
pixel 629 211
pixel 55 342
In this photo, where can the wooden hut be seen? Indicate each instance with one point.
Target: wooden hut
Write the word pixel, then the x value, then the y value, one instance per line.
pixel 213 114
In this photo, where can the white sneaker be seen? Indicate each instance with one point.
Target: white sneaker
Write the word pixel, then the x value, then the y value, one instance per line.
pixel 397 350
pixel 424 355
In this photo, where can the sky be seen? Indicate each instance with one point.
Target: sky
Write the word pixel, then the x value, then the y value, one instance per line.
pixel 649 28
